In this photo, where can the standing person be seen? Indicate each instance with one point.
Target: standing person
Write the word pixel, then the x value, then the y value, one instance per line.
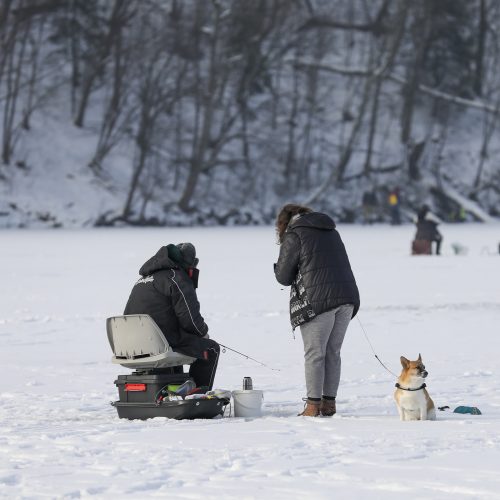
pixel 167 292
pixel 369 204
pixel 323 297
pixel 427 232
pixel 394 206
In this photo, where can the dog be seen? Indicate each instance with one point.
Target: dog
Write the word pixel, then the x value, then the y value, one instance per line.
pixel 412 399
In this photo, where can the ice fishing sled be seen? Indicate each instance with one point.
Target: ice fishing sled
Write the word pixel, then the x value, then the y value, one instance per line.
pixel 150 391
pixel 421 247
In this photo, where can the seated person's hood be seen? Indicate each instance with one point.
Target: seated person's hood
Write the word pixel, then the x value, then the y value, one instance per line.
pixel 158 262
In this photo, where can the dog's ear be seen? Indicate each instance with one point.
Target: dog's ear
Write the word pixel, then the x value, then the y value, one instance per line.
pixel 405 362
pixel 419 357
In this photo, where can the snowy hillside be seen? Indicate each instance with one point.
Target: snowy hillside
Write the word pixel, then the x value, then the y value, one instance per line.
pixel 60 438
pixel 56 188
pixel 173 113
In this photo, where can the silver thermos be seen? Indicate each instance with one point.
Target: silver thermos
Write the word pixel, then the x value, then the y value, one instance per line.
pixel 247 383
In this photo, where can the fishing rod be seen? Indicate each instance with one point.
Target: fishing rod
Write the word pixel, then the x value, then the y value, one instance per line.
pixel 224 347
pixel 371 347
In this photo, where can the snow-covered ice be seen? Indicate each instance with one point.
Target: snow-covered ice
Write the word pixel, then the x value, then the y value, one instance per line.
pixel 60 438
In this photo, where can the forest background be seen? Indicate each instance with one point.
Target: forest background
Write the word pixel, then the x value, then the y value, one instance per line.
pixel 182 112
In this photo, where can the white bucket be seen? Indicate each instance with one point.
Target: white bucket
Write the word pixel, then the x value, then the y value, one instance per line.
pixel 248 403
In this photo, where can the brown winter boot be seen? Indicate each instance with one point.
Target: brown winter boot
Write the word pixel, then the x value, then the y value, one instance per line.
pixel 311 409
pixel 327 407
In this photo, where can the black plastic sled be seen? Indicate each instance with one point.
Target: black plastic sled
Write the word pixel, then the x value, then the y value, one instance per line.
pixel 179 410
pixel 138 343
pixel 139 398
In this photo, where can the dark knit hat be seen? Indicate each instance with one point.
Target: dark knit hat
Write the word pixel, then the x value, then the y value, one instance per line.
pixel 188 252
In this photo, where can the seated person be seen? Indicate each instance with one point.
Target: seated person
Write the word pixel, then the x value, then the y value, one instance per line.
pixel 167 292
pixel 427 232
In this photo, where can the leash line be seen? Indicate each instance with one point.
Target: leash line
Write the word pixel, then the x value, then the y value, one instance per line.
pixel 247 357
pixel 373 350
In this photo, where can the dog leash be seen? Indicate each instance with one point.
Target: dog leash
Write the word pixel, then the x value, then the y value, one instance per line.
pixel 373 350
pixel 224 347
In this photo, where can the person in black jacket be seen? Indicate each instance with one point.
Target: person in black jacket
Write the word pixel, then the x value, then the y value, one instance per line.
pixel 167 292
pixel 427 232
pixel 324 297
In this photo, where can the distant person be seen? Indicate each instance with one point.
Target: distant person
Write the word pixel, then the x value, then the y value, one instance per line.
pixel 394 203
pixel 427 233
pixel 167 292
pixel 323 297
pixel 459 215
pixel 369 204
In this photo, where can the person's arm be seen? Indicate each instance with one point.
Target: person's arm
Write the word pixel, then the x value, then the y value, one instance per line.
pixel 287 266
pixel 186 305
pixel 436 235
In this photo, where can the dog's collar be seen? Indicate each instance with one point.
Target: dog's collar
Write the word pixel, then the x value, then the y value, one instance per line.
pixel 423 386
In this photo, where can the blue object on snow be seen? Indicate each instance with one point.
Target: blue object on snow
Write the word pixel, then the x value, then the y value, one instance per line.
pixel 467 409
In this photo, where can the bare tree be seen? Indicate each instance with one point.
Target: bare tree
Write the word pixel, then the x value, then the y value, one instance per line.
pixel 117 113
pixel 420 32
pixel 13 76
pixel 35 42
pixel 481 35
pixel 394 44
pixel 97 57
pixel 154 99
pixel 205 112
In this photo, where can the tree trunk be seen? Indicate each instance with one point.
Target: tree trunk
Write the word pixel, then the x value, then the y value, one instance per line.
pixel 482 31
pixel 421 40
pixel 14 75
pixel 75 57
pixel 114 108
pixel 143 143
pixel 373 126
pixel 95 67
pixel 201 145
pixel 30 105
pixel 290 161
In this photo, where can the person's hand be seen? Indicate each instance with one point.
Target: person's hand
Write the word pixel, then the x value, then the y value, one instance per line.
pixel 206 336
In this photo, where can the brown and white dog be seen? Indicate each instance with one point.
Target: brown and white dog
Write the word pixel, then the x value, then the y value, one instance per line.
pixel 412 399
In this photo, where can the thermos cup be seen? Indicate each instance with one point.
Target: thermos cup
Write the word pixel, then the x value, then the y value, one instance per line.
pixel 247 383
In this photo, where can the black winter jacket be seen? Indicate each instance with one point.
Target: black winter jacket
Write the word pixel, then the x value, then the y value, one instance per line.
pixel 427 230
pixel 167 294
pixel 313 260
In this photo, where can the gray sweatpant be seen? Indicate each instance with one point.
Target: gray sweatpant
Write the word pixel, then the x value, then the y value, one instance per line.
pixel 323 337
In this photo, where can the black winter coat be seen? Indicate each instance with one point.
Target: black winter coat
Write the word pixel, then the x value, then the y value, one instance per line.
pixel 313 260
pixel 427 230
pixel 167 294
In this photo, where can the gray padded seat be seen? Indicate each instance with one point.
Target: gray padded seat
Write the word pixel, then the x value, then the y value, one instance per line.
pixel 137 342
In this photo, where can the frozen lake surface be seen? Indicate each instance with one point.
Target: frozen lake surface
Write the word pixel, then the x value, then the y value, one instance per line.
pixel 60 438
